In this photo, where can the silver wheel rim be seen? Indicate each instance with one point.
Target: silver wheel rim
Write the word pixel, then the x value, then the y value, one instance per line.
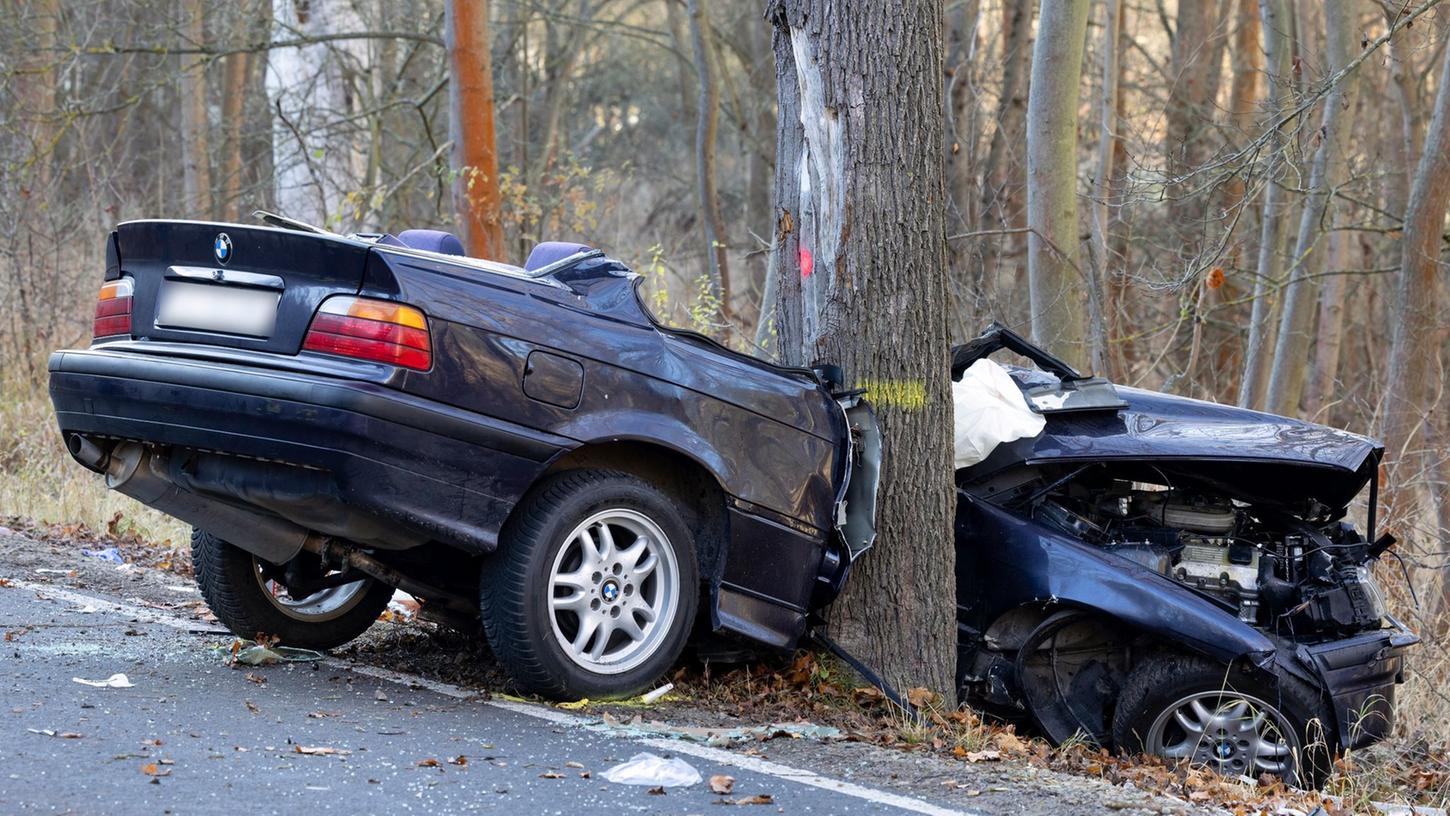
pixel 323 605
pixel 613 591
pixel 1234 734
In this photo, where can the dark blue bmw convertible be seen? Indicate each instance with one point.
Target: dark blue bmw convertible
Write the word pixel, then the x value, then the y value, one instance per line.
pixel 529 450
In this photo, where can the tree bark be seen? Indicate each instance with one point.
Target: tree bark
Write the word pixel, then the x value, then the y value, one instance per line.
pixel 1324 372
pixel 1101 215
pixel 1001 206
pixel 1197 57
pixel 195 127
pixel 706 127
pixel 1055 280
pixel 239 71
pixel 862 197
pixel 1277 24
pixel 1416 339
pixel 470 122
pixel 1248 64
pixel 1296 326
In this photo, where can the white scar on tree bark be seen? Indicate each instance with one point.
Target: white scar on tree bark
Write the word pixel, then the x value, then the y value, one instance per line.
pixel 822 172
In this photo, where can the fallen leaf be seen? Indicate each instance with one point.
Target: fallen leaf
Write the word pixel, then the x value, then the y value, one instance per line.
pixel 551 775
pixel 428 763
pixel 252 707
pixel 153 770
pixel 720 783
pixel 573 764
pixel 458 760
pixel 317 715
pixel 256 678
pixel 658 790
pixel 757 799
pixel 984 756
pixel 320 750
pixel 5 582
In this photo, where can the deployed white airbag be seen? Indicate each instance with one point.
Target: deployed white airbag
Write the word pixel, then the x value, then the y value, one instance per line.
pixel 989 409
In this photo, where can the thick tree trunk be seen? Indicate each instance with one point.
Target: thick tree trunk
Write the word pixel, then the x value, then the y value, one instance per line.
pixel 1055 279
pixel 1416 338
pixel 195 127
pixel 470 122
pixel 1296 326
pixel 861 199
pixel 1278 32
pixel 706 127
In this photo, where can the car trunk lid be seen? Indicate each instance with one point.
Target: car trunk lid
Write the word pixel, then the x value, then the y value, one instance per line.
pixel 253 288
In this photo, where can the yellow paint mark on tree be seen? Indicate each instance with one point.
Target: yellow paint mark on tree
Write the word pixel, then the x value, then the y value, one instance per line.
pixel 909 395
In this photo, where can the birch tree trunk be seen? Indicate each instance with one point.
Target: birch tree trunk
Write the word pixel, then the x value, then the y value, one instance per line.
pixel 1296 326
pixel 1055 281
pixel 860 204
pixel 317 152
pixel 706 127
pixel 470 123
pixel 1277 24
pixel 1415 340
pixel 195 126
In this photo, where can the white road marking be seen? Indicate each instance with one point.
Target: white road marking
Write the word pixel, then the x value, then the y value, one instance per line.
pixel 539 712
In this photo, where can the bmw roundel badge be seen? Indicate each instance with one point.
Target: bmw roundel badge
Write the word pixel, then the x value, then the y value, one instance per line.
pixel 222 248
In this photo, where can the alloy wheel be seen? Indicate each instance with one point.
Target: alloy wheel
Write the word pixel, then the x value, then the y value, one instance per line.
pixel 613 591
pixel 1234 734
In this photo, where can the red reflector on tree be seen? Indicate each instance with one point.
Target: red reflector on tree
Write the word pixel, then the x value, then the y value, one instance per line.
pixel 375 330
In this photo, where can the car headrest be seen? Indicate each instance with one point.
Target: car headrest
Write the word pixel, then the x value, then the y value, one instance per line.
pixel 552 251
pixel 432 240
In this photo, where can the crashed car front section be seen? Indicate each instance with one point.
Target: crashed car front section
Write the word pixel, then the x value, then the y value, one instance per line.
pixel 1136 524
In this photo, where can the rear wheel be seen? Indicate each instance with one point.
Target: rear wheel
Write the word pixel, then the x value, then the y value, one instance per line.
pixel 594 588
pixel 1183 707
pixel 248 597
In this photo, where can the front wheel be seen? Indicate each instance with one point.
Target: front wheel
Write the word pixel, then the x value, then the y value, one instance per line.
pixel 1183 707
pixel 246 596
pixel 594 588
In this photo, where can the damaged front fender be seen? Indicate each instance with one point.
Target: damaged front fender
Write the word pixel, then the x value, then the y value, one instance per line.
pixel 1033 564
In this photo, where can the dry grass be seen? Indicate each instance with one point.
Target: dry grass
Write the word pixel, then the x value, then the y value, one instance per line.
pixel 40 482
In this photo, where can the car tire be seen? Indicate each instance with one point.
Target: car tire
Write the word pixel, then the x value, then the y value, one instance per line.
pixel 593 590
pixel 252 607
pixel 1240 725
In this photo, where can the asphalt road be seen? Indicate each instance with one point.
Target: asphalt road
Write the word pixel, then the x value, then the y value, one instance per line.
pixel 195 736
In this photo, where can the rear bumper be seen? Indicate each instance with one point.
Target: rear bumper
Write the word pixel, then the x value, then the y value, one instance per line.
pixel 1359 675
pixel 448 474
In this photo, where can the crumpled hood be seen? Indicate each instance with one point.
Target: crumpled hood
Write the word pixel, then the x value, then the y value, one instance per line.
pixel 1256 457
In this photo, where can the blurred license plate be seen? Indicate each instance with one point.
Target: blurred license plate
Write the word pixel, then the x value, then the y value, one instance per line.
pixel 228 309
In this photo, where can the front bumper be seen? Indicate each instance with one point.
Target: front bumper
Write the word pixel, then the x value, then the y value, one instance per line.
pixel 1359 675
pixel 448 474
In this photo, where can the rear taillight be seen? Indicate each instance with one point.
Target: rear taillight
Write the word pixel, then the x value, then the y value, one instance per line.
pixel 113 309
pixel 371 330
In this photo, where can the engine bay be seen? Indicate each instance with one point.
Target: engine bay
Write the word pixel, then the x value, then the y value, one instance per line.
pixel 1303 574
